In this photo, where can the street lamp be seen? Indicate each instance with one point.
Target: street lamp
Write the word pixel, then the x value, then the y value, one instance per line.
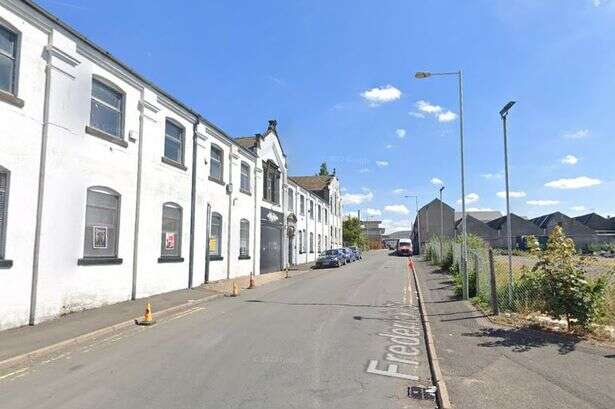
pixel 503 115
pixel 441 223
pixel 459 74
pixel 418 219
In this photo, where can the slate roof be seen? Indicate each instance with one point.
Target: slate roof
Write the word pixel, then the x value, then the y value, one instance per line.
pixel 477 227
pixel 482 215
pixel 313 183
pixel 248 142
pixel 571 226
pixel 520 226
pixel 596 222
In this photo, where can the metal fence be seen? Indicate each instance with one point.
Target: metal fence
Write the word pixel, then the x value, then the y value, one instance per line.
pixel 502 286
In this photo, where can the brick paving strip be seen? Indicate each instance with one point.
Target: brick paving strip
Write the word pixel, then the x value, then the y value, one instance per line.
pixel 25 343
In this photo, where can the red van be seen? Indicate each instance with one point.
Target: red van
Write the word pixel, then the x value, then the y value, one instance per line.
pixel 404 247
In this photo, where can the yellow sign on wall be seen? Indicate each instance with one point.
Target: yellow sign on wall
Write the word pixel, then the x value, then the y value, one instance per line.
pixel 213 245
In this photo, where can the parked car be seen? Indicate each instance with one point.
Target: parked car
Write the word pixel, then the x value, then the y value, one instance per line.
pixel 404 247
pixel 357 252
pixel 349 254
pixel 331 258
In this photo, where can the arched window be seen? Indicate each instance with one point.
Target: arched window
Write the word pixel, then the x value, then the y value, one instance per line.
pixel 171 240
pixel 4 205
pixel 244 239
pixel 215 236
pixel 101 223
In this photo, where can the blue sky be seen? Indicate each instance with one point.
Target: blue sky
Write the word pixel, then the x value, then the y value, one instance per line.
pixel 338 77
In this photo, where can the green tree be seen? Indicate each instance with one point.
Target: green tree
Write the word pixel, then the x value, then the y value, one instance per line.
pixel 560 280
pixel 323 170
pixel 352 233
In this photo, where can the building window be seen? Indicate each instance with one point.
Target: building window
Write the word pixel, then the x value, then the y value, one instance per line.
pixel 4 204
pixel 244 239
pixel 319 214
pixel 216 162
pixel 271 182
pixel 311 210
pixel 311 242
pixel 107 109
pixel 300 241
pixel 302 205
pixel 8 60
pixel 326 216
pixel 319 244
pixel 101 223
pixel 245 178
pixel 291 200
pixel 174 142
pixel 326 242
pixel 215 235
pixel 171 230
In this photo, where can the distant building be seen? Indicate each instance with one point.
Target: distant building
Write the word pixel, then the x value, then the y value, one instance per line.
pixel 481 215
pixel 477 228
pixel 374 233
pixel 392 238
pixel 429 224
pixel 520 228
pixel 580 233
pixel 603 227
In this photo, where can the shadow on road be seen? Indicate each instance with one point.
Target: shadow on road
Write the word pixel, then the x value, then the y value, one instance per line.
pixel 320 304
pixel 523 339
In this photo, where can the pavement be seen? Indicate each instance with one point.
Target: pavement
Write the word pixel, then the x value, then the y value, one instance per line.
pixel 490 366
pixel 331 338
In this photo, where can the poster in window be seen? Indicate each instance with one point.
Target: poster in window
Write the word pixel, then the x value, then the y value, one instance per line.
pixel 169 241
pixel 100 237
pixel 213 245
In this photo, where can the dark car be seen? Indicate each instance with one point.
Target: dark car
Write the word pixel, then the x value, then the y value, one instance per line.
pixel 331 258
pixel 349 254
pixel 357 252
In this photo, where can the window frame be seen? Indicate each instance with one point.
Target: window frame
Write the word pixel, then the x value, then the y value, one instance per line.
pixel 165 158
pixel 14 92
pixel 4 263
pixel 218 254
pixel 166 258
pixel 245 165
pixel 311 242
pixel 311 209
pixel 108 259
pixel 271 182
pixel 291 200
pixel 91 129
pixel 302 205
pixel 244 222
pixel 218 149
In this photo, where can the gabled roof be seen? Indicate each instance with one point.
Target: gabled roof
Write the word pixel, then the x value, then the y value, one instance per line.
pixel 436 202
pixel 544 220
pixel 248 142
pixel 500 223
pixel 313 183
pixel 482 215
pixel 596 222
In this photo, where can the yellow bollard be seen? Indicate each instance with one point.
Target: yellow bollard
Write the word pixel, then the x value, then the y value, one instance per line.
pixel 235 291
pixel 148 318
pixel 252 284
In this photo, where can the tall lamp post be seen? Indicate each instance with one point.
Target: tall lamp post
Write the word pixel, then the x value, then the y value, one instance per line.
pixel 459 74
pixel 441 223
pixel 418 219
pixel 503 115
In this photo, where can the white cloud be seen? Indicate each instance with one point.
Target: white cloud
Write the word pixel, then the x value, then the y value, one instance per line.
pixel 427 107
pixel 573 183
pixel 479 209
pixel 580 134
pixel 381 95
pixel 398 208
pixel 395 225
pixel 399 191
pixel 364 170
pixel 598 3
pixel 436 181
pixel 351 213
pixel 382 163
pixel 513 195
pixel 542 202
pixel 389 146
pixel 357 198
pixel 416 114
pixel 401 133
pixel 569 160
pixel 447 116
pixel 471 198
pixel 578 208
pixel 373 212
pixel 492 175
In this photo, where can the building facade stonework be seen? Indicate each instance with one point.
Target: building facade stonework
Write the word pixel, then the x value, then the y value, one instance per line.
pixel 112 189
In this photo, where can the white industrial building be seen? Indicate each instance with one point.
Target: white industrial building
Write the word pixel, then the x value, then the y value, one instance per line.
pixel 111 189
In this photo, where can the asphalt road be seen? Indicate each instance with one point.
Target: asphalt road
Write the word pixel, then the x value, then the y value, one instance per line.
pixel 323 339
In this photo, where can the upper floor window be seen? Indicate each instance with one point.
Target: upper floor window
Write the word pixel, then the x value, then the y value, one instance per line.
pixel 216 161
pixel 171 230
pixel 101 223
pixel 174 142
pixel 319 213
pixel 311 242
pixel 8 60
pixel 302 205
pixel 291 200
pixel 326 216
pixel 4 204
pixel 244 238
pixel 300 241
pixel 107 109
pixel 215 235
pixel 245 178
pixel 271 182
pixel 311 210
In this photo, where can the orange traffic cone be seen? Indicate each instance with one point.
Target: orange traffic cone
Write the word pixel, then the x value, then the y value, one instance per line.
pixel 148 318
pixel 252 284
pixel 235 291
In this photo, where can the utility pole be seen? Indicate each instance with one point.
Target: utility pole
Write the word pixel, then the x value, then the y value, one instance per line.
pixel 503 115
pixel 441 223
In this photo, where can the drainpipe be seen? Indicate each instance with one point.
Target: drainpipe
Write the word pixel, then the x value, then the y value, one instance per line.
pixel 207 237
pixel 305 239
pixel 230 213
pixel 255 219
pixel 193 204
pixel 135 247
pixel 41 190
pixel 285 238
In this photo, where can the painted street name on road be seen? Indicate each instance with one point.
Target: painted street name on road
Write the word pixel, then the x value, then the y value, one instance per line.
pixel 404 337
